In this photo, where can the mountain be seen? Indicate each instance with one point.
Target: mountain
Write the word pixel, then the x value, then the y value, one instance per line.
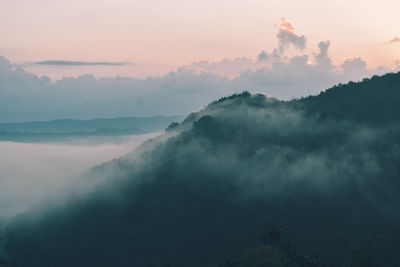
pixel 58 130
pixel 324 168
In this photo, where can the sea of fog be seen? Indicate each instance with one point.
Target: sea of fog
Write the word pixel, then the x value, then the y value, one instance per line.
pixel 31 173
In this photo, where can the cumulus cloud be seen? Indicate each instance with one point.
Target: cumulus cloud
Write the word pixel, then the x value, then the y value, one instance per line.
pixel 322 58
pixel 79 63
pixel 287 36
pixel 25 97
pixel 354 64
pixel 225 67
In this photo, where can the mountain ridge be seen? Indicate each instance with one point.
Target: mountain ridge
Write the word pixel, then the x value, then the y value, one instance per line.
pixel 212 184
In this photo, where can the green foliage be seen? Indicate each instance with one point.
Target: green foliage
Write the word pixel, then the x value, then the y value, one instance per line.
pixel 174 125
pixel 242 95
pixel 373 101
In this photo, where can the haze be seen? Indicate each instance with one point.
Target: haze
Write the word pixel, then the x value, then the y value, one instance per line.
pixel 31 173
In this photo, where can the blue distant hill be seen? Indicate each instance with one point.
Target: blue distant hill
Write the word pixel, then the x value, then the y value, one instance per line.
pixel 65 129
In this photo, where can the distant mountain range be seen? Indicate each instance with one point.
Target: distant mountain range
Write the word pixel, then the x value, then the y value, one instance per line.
pixel 326 168
pixel 68 129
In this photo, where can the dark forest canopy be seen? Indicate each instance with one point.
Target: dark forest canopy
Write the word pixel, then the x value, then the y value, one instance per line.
pixel 326 168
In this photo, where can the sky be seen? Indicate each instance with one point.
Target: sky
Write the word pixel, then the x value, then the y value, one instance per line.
pixel 157 36
pixel 100 58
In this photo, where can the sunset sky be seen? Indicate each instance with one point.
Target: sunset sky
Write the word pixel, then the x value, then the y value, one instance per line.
pixel 155 36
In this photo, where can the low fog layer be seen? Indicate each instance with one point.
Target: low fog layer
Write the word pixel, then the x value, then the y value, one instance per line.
pixel 31 173
pixel 324 167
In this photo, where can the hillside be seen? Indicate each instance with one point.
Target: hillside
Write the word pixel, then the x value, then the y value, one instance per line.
pixel 325 168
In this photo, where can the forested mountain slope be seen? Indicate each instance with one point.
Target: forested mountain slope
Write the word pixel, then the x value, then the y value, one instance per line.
pixel 325 168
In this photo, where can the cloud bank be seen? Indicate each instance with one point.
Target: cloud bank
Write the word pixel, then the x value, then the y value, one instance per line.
pixel 24 96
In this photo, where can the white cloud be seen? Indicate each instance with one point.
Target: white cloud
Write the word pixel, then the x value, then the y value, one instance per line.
pixel 26 97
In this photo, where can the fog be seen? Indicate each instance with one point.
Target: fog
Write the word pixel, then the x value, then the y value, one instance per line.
pixel 33 172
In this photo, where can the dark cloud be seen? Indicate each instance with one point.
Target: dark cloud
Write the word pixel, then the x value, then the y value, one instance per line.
pixel 79 63
pixel 263 56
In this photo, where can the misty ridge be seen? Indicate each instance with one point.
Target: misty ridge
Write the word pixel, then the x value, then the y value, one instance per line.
pixel 324 168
